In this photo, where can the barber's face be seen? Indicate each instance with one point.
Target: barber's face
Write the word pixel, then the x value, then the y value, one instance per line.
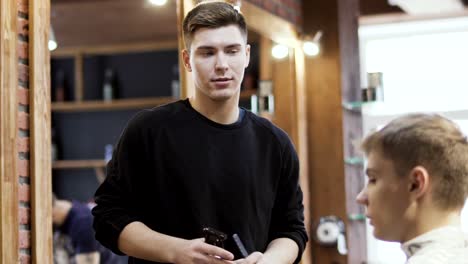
pixel 217 59
pixel 386 197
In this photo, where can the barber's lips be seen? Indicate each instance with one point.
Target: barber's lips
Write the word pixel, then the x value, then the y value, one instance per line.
pixel 222 82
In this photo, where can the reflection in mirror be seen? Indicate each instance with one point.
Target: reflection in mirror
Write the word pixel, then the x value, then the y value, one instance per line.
pixel 113 58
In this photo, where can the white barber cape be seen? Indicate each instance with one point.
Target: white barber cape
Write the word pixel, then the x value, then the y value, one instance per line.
pixel 445 245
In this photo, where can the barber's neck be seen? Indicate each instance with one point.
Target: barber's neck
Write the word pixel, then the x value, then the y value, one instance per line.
pixel 222 111
pixel 60 211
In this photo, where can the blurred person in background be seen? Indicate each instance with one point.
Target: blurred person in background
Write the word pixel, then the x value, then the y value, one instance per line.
pixel 74 240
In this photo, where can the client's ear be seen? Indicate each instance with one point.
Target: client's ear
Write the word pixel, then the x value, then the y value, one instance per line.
pixel 419 181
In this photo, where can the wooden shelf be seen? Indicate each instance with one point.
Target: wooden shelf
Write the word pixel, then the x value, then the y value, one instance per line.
pixel 78 164
pixel 117 104
pixel 120 104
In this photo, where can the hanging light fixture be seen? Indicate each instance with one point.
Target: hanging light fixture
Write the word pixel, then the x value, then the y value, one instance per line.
pixel 312 47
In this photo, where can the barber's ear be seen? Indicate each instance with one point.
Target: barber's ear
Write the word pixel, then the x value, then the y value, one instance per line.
pixel 419 181
pixel 186 60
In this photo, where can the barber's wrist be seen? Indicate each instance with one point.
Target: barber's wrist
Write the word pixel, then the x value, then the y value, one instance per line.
pixel 174 245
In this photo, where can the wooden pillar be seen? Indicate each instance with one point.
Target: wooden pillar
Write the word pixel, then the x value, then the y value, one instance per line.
pixel 186 83
pixel 9 225
pixel 333 78
pixel 40 132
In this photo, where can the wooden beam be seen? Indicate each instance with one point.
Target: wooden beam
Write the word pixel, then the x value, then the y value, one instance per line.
pixel 40 132
pixel 9 224
pixel 269 25
pixel 186 83
pixel 352 128
pixel 300 139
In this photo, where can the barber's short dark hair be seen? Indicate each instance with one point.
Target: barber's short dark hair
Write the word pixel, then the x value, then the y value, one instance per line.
pixel 211 14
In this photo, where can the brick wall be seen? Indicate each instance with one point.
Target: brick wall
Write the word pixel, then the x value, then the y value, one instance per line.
pixel 289 10
pixel 23 139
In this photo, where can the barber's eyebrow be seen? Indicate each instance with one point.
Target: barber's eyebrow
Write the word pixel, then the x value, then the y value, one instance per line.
pixel 235 45
pixel 205 48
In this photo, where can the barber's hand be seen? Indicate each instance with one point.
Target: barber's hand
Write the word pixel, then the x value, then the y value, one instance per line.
pixel 254 258
pixel 196 251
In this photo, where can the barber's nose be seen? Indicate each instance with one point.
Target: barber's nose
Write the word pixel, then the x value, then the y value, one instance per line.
pixel 221 62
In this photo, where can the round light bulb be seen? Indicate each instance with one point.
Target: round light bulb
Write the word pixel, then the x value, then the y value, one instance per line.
pixel 158 2
pixel 52 45
pixel 280 51
pixel 311 48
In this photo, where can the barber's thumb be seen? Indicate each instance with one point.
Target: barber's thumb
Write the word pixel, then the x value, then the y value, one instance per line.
pixel 254 257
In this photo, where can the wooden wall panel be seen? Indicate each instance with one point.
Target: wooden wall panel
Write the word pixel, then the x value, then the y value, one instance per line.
pixel 266 61
pixel 9 223
pixel 40 132
pixel 283 87
pixel 290 115
pixel 348 13
pixel 331 78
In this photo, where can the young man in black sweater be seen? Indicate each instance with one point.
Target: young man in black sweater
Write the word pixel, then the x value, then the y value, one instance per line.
pixel 204 162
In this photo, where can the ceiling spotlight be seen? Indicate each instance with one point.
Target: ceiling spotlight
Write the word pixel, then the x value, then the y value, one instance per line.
pixel 279 51
pixel 158 2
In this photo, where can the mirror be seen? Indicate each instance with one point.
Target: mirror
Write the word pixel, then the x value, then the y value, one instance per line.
pixel 113 58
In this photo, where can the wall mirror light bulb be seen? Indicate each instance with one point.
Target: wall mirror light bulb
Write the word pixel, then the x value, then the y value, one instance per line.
pixel 311 48
pixel 158 2
pixel 52 45
pixel 279 51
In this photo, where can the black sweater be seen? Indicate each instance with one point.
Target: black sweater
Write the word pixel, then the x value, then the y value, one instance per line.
pixel 177 172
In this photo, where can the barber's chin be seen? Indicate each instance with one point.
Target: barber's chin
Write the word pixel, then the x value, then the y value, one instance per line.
pixel 221 95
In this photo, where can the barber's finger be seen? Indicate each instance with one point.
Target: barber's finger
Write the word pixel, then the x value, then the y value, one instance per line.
pixel 202 239
pixel 253 258
pixel 218 260
pixel 217 251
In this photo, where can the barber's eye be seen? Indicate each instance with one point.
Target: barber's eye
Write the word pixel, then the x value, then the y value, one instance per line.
pixel 207 53
pixel 232 51
pixel 372 181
